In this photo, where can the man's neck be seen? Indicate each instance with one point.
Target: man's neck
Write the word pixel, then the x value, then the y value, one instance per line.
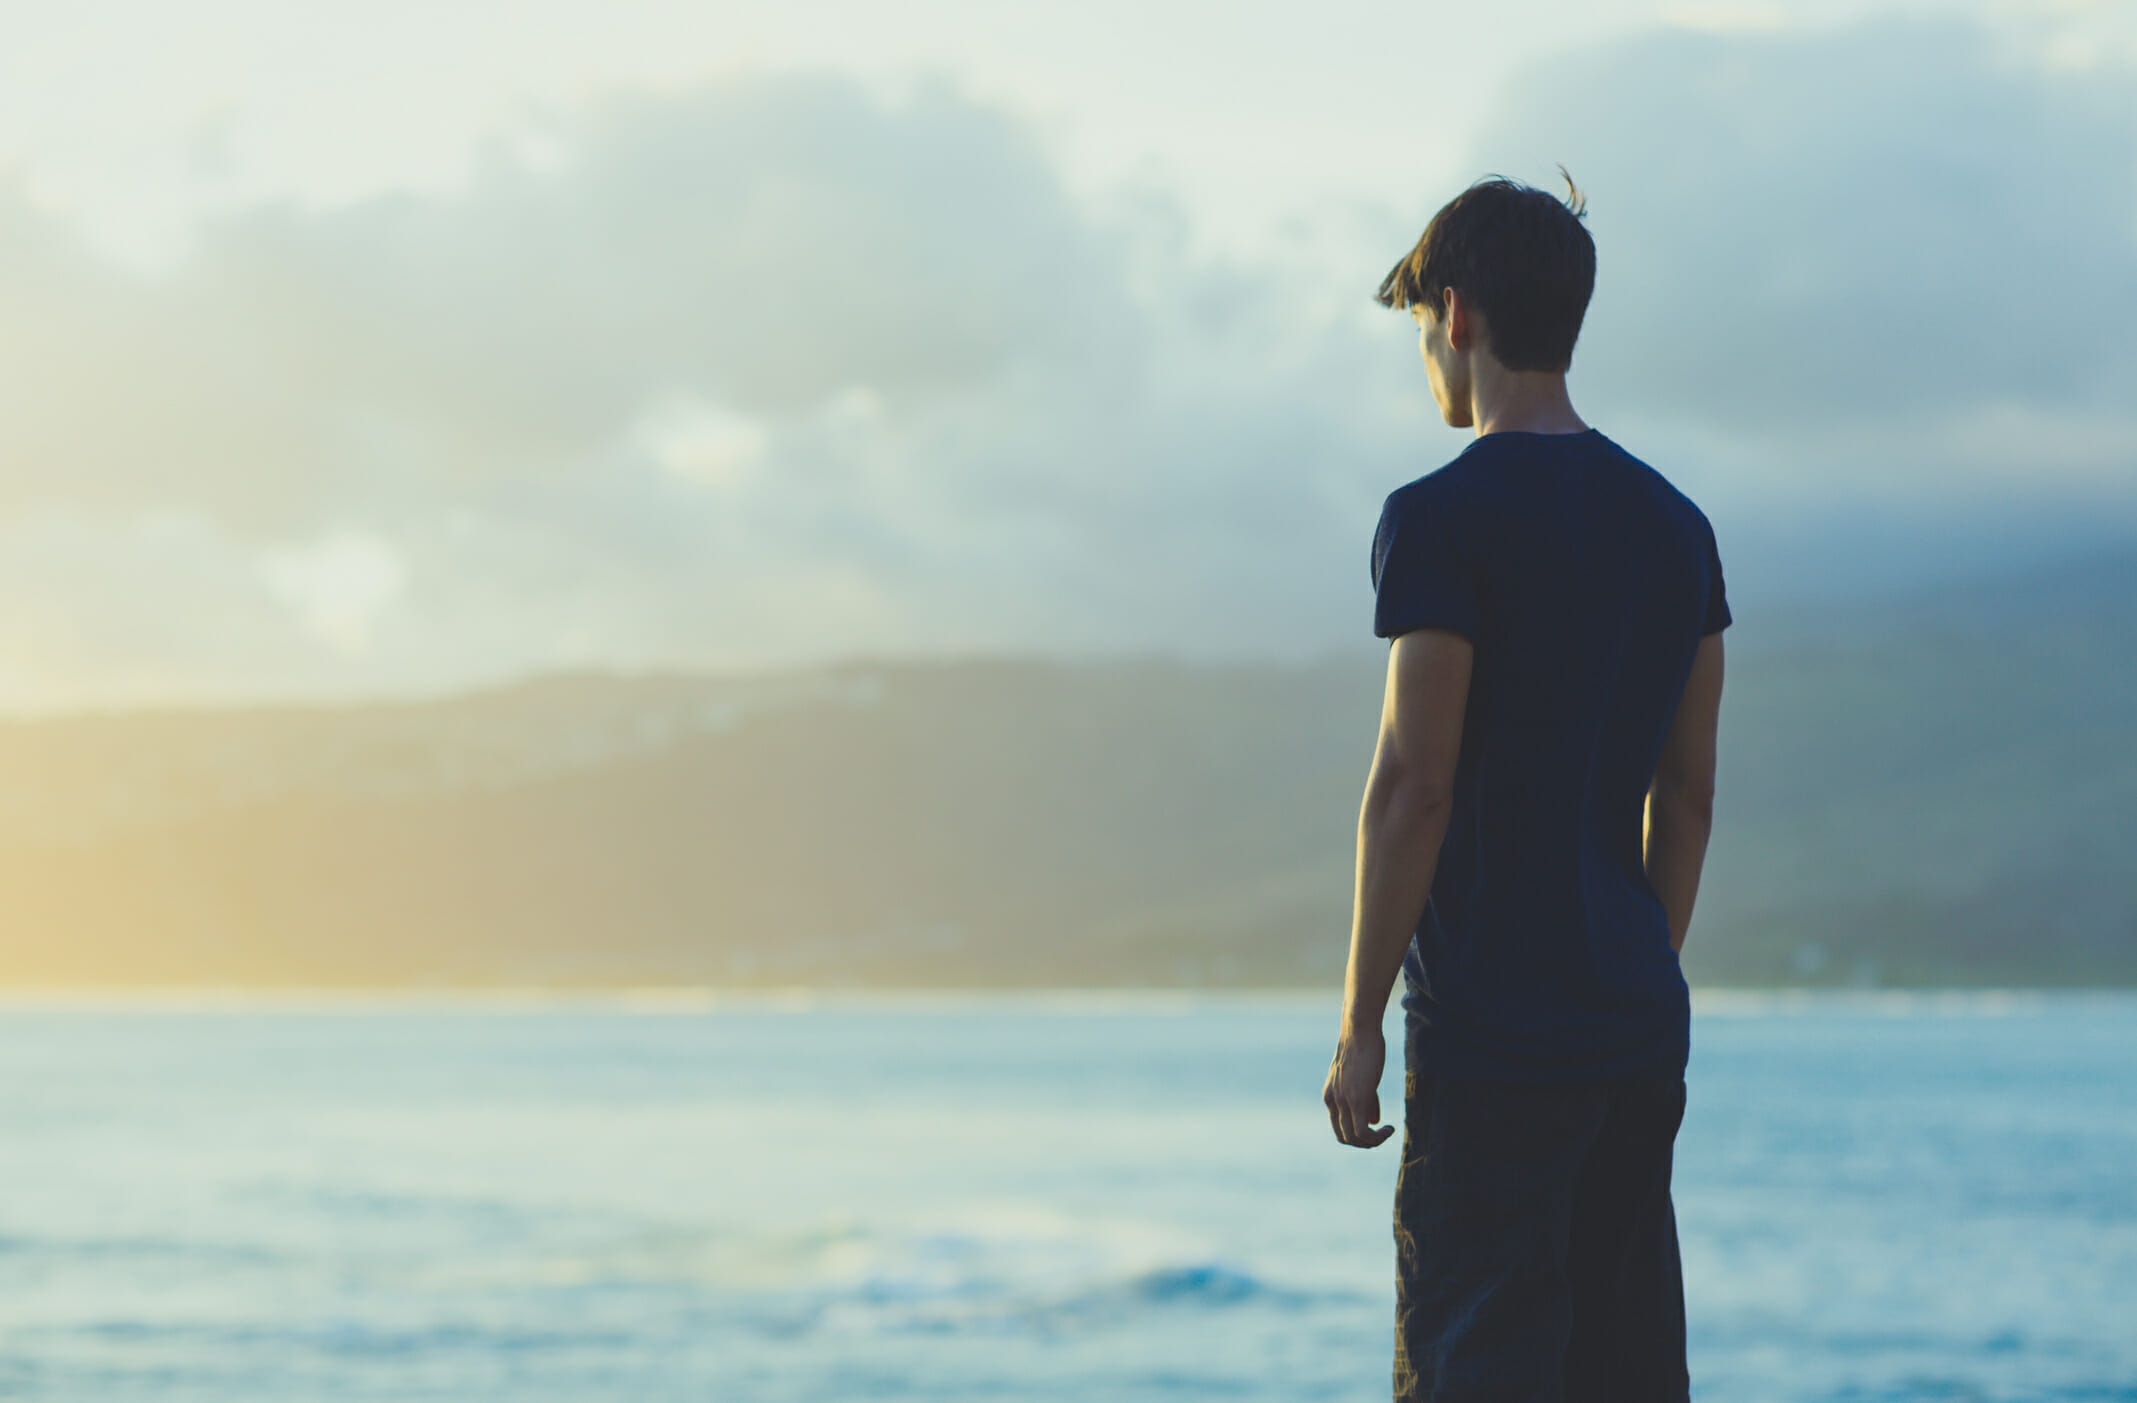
pixel 1522 401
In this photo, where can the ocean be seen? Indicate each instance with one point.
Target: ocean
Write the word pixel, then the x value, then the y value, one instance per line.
pixel 1073 1196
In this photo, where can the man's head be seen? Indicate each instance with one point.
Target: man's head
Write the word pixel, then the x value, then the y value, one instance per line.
pixel 1504 270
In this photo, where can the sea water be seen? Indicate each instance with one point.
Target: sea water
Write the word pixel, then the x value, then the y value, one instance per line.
pixel 1015 1197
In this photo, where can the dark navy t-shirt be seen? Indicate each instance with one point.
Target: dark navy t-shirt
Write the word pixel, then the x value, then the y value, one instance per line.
pixel 1585 581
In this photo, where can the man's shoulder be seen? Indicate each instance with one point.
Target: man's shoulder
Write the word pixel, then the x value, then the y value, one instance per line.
pixel 1665 493
pixel 1446 485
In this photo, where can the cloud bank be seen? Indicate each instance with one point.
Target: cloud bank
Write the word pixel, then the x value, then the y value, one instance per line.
pixel 773 370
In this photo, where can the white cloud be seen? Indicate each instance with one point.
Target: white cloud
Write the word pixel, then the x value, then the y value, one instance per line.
pixel 337 584
pixel 703 442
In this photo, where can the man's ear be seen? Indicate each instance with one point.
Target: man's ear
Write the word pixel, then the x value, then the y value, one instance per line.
pixel 1456 317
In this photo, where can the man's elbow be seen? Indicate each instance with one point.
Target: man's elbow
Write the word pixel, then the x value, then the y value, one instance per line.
pixel 1686 797
pixel 1417 791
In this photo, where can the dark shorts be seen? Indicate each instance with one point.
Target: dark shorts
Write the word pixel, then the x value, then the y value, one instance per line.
pixel 1535 1244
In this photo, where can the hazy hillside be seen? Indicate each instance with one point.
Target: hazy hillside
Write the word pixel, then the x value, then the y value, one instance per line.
pixel 1940 789
pixel 1944 788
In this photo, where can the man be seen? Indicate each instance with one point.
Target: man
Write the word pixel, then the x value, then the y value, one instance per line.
pixel 1530 842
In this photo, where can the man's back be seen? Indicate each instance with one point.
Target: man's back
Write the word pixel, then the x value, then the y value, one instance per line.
pixel 1585 581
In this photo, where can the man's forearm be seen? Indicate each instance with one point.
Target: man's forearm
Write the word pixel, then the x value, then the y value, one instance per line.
pixel 1677 832
pixel 1400 827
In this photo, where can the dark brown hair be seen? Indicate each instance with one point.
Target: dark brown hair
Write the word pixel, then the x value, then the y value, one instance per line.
pixel 1519 255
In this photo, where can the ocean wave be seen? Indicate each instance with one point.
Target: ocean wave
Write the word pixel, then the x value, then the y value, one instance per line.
pixel 1185 1286
pixel 980 1306
pixel 1007 1269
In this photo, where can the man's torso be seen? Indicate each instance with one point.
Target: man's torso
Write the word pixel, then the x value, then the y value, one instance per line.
pixel 1585 582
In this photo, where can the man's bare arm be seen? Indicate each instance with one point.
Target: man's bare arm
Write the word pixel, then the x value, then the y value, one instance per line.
pixel 1680 802
pixel 1401 823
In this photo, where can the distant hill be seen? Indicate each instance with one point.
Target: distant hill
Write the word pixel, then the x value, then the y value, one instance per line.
pixel 1936 789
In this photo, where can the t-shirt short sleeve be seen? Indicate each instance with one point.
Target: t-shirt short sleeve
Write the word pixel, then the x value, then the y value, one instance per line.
pixel 1421 578
pixel 1717 595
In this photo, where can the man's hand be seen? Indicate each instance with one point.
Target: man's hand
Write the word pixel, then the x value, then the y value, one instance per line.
pixel 1353 1091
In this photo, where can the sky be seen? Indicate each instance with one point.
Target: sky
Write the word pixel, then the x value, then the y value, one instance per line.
pixel 352 352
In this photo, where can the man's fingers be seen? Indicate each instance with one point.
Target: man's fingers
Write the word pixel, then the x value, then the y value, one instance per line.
pixel 1362 1116
pixel 1353 1112
pixel 1357 1122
